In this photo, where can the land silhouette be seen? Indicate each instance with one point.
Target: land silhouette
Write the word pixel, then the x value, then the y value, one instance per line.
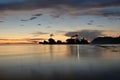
pixel 72 40
pixel 106 40
pixel 76 40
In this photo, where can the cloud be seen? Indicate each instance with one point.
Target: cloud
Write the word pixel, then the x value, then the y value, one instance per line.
pixel 36 39
pixel 81 4
pixel 39 24
pixel 40 14
pixel 1 21
pixel 71 7
pixel 12 39
pixel 100 26
pixel 24 20
pixel 39 33
pixel 59 12
pixel 90 34
pixel 32 18
pixel 21 25
pixel 99 12
pixel 55 16
pixel 27 40
pixel 60 32
pixel 3 39
pixel 89 23
pixel 48 27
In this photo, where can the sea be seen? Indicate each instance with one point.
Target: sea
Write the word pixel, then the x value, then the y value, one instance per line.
pixel 59 62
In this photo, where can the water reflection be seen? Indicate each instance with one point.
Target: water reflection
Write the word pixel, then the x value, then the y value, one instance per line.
pixel 51 51
pixel 60 51
pixel 93 51
pixel 59 62
pixel 83 51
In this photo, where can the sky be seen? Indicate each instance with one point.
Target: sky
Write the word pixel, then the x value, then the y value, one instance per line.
pixel 29 21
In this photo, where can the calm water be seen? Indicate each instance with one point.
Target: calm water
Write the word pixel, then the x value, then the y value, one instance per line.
pixel 60 62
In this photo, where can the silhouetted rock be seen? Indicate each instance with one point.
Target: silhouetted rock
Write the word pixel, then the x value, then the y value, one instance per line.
pixel 106 40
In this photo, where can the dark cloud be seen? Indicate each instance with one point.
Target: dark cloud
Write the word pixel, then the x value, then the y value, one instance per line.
pixel 89 23
pixel 40 14
pixel 32 18
pixel 35 16
pixel 24 20
pixel 39 24
pixel 108 13
pixel 91 34
pixel 100 12
pixel 75 7
pixel 59 12
pixel 36 4
pixel 55 16
pixel 1 21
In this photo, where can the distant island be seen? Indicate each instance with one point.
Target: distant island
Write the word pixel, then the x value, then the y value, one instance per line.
pixel 106 40
pixel 75 40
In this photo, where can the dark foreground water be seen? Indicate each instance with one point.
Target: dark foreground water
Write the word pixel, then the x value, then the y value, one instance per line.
pixel 59 62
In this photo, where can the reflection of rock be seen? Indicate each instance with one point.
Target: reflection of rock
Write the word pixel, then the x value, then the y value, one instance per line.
pixel 106 40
